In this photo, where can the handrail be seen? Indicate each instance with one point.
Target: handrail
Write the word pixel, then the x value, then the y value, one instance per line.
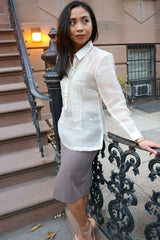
pixel 126 141
pixel 26 62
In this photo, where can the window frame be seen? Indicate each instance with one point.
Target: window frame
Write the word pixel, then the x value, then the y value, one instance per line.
pixel 152 62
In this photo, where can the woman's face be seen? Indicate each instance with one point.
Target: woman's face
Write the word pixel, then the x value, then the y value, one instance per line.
pixel 80 28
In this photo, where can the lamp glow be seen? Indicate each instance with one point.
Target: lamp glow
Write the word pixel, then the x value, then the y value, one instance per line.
pixel 36 35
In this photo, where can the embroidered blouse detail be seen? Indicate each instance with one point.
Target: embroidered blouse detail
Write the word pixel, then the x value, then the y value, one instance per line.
pixel 91 80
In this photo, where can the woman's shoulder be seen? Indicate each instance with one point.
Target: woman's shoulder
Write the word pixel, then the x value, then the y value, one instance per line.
pixel 101 52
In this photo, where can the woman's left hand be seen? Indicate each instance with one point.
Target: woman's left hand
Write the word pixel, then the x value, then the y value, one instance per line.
pixel 148 145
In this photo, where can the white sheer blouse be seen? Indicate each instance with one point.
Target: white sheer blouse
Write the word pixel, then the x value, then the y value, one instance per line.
pixel 91 80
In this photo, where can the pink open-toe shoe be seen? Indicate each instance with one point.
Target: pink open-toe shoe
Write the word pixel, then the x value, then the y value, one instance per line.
pixel 88 230
pixel 75 237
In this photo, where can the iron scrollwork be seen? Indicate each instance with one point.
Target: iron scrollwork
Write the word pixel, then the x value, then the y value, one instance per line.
pixel 121 222
pixel 152 230
pixel 95 203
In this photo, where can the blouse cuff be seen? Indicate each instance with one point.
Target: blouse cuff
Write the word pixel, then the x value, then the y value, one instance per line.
pixel 135 135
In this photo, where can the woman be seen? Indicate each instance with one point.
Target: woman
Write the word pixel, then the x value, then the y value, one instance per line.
pixel 88 77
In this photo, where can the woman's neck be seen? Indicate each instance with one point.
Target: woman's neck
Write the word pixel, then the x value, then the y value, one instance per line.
pixel 71 56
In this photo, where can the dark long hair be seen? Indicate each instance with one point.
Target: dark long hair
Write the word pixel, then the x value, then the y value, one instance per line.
pixel 63 43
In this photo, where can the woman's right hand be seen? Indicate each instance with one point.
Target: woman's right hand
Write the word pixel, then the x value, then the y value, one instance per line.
pixel 148 145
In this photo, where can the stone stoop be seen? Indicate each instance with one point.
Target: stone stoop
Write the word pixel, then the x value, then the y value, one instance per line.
pixel 28 203
pixel 26 178
pixel 26 165
pixel 13 92
pixel 9 60
pixel 11 75
pixel 6 33
pixel 8 46
pixel 4 16
pixel 17 112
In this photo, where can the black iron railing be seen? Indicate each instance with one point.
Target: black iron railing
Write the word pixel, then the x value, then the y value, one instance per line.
pixel 120 223
pixel 32 91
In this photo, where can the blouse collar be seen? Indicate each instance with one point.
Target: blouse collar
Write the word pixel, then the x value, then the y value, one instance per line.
pixel 84 50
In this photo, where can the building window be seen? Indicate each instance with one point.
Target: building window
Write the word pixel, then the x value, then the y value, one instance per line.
pixel 141 69
pixel 141 62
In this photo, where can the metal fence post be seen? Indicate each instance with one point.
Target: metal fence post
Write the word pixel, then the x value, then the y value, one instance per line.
pixel 54 90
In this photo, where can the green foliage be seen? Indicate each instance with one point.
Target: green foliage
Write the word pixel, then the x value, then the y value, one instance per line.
pixel 125 86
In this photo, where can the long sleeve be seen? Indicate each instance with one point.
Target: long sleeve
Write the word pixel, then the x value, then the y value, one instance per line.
pixel 112 95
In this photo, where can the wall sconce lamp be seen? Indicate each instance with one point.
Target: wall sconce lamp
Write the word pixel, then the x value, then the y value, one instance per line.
pixel 36 35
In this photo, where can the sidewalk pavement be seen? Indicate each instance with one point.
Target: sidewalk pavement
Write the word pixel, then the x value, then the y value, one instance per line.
pixel 149 125
pixel 58 225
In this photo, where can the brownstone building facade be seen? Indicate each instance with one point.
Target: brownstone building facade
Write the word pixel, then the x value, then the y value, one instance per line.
pixel 129 29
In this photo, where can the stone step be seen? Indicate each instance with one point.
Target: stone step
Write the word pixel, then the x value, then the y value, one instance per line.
pixel 4 15
pixel 4 18
pixel 10 60
pixel 53 224
pixel 8 46
pixel 17 112
pixel 13 92
pixel 5 25
pixel 21 136
pixel 11 75
pixel 27 203
pixel 26 165
pixel 74 226
pixel 6 34
pixel 10 70
pixel 4 7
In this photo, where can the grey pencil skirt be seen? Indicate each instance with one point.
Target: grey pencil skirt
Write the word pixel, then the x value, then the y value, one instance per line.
pixel 74 178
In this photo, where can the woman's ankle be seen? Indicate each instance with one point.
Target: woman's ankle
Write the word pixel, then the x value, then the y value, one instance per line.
pixel 85 227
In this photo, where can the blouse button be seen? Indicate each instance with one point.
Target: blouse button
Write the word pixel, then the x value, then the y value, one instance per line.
pixel 91 119
pixel 89 90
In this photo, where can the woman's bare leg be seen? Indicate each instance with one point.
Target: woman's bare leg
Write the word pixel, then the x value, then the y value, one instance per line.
pixel 86 202
pixel 78 209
